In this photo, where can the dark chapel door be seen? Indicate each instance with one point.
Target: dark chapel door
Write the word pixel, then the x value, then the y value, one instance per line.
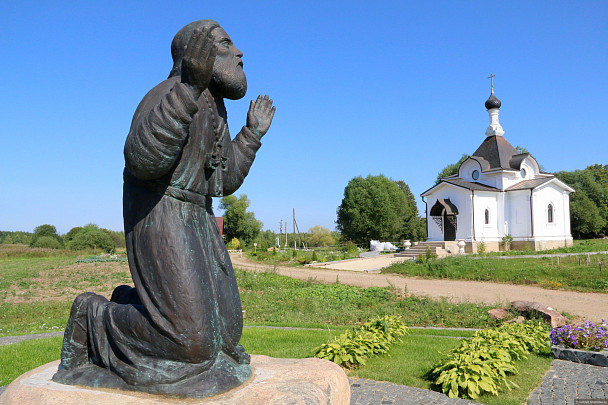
pixel 449 227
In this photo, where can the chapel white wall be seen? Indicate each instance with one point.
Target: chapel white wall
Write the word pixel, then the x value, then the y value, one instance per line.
pixel 560 227
pixel 461 198
pixel 518 209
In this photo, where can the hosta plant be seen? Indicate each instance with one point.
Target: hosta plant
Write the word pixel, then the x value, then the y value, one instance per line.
pixel 482 363
pixel 373 338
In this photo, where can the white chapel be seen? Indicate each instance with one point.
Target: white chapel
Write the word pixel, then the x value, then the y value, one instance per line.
pixel 499 195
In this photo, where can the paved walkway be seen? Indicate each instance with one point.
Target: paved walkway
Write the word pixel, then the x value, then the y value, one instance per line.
pixel 9 340
pixel 567 381
pixel 370 392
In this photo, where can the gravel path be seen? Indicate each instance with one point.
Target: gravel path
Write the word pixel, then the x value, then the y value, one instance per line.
pixel 9 340
pixel 590 306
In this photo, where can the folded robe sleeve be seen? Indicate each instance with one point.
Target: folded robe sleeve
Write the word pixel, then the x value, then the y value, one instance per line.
pixel 243 149
pixel 159 129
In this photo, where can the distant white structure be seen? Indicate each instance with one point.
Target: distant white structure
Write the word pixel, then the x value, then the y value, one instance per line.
pixel 377 246
pixel 499 192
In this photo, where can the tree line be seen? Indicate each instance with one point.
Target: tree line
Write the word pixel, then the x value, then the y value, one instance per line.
pixel 243 230
pixel 589 204
pixel 85 237
pixel 374 207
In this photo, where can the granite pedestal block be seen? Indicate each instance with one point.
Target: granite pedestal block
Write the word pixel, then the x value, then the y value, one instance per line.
pixel 274 382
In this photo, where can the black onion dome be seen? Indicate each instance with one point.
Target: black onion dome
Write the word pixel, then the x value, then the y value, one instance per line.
pixel 492 102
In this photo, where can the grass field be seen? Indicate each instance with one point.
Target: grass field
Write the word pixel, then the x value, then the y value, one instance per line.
pixel 579 246
pixel 568 273
pixel 36 294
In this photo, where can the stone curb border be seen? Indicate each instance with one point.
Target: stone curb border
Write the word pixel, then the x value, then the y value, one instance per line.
pixel 581 356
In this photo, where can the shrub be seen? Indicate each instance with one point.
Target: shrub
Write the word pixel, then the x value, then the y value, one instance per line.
pixel 42 231
pixel 373 338
pixel 587 336
pixel 234 244
pixel 46 242
pixel 482 363
pixel 351 248
pixel 91 237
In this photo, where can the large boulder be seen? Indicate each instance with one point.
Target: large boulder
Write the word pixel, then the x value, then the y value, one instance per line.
pixel 499 313
pixel 535 309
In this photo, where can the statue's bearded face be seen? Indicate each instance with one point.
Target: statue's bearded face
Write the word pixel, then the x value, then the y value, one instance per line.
pixel 228 79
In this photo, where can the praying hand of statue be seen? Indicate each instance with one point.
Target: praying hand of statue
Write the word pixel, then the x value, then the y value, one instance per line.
pixel 260 115
pixel 198 61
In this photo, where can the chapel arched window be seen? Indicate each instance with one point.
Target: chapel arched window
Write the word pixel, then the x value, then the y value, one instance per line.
pixel 487 216
pixel 550 213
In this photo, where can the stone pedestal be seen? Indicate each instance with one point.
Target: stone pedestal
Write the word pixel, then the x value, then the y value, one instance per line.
pixel 275 382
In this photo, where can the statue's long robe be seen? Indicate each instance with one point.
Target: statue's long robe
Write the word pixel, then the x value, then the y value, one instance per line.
pixel 183 324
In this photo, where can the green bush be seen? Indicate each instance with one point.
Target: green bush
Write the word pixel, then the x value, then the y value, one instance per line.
pixel 234 244
pixel 91 237
pixel 47 242
pixel 373 338
pixel 482 363
pixel 45 230
pixel 351 248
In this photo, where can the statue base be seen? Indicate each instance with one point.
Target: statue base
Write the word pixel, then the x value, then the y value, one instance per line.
pixel 274 381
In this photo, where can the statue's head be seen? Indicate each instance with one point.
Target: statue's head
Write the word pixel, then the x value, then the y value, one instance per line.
pixel 228 79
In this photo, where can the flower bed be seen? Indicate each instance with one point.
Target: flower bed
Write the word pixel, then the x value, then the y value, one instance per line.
pixel 586 343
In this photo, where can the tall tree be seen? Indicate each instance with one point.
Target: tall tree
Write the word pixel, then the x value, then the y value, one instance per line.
pixel 238 223
pixel 45 230
pixel 521 149
pixel 372 208
pixel 589 204
pixel 450 170
pixel 414 227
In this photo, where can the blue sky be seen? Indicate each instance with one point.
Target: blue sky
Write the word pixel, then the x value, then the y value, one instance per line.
pixel 385 87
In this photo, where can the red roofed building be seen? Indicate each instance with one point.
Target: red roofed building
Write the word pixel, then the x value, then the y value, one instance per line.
pixel 220 224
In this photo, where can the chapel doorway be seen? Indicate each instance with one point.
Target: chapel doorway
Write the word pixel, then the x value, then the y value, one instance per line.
pixel 449 226
pixel 445 215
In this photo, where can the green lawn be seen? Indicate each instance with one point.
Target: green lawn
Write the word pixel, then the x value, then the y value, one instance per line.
pixel 263 297
pixel 267 298
pixel 407 363
pixel 571 273
pixel 579 246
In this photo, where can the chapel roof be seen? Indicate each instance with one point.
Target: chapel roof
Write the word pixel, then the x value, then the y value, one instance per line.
pixel 530 184
pixel 534 183
pixel 498 152
pixel 469 184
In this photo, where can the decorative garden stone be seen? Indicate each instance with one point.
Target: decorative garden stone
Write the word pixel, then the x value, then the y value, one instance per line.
pixel 177 331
